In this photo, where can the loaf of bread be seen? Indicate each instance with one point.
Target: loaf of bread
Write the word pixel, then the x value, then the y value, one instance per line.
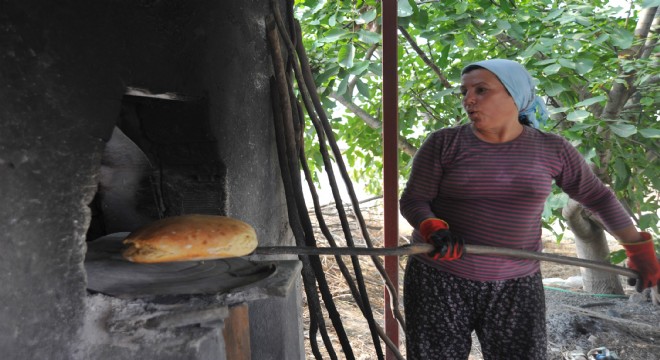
pixel 190 238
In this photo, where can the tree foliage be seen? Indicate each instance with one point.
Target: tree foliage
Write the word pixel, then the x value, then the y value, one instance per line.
pixel 596 64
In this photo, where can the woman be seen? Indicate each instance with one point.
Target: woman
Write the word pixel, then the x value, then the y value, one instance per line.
pixel 486 183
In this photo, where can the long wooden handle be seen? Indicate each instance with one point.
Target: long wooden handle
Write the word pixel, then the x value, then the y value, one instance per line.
pixel 426 248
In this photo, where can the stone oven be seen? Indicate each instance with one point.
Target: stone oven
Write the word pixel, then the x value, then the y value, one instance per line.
pixel 115 114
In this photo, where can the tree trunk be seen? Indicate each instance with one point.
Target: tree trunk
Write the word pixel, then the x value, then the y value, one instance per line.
pixel 591 244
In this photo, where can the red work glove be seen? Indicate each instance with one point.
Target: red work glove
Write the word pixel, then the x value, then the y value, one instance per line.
pixel 436 232
pixel 642 258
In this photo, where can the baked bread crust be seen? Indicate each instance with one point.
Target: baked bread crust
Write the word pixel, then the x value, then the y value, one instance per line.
pixel 190 238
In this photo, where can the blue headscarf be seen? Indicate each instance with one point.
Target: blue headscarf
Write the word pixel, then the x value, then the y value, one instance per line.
pixel 520 85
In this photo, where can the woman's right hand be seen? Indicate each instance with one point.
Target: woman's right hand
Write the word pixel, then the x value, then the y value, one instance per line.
pixel 448 246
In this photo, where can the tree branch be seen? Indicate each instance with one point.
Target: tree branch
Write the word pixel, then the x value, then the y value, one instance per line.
pixel 621 91
pixel 372 49
pixel 652 38
pixel 426 106
pixel 425 58
pixel 374 123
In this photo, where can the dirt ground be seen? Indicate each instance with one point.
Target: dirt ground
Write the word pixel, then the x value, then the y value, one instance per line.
pixel 577 322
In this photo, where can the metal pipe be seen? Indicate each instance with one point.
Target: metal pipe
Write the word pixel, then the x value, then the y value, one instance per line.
pixel 390 160
pixel 469 249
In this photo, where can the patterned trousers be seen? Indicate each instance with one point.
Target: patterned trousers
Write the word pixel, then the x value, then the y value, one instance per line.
pixel 442 310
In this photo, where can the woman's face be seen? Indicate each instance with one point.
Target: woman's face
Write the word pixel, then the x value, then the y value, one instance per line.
pixel 486 101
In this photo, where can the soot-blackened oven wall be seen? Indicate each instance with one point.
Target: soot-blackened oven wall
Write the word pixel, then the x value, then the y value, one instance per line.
pixel 69 73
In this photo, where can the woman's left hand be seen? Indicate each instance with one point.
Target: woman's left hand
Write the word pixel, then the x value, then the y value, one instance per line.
pixel 448 246
pixel 642 258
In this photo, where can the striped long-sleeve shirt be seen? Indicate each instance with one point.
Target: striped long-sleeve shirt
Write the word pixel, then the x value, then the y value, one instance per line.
pixel 494 194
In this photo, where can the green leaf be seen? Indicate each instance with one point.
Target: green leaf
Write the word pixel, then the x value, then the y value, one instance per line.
pixel 469 40
pixel 577 115
pixel 346 55
pixel 376 69
pixel 360 67
pixel 503 25
pixel 404 9
pixel 495 32
pixel 647 220
pixel 623 130
pixel 583 66
pixel 461 7
pixel 556 110
pixel 545 45
pixel 591 154
pixel 367 17
pixel 602 39
pixel 622 174
pixel 363 88
pixel 557 201
pixel 444 92
pixel 517 31
pixel 529 51
pixel 583 21
pixel 334 35
pixel 622 38
pixel 591 101
pixel 343 86
pixel 369 37
pixel 421 19
pixel 547 61
pixel 552 69
pixel 650 3
pixel 553 202
pixel 329 72
pixel 647 101
pixel 618 256
pixel 404 21
pixel 650 133
pixel 554 14
pixel 567 63
pixel 578 127
pixel 573 44
pixel 504 5
pixel 443 56
pixel 485 4
pixel 553 88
